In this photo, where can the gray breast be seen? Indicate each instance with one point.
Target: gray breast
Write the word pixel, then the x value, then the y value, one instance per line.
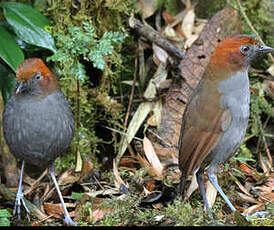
pixel 38 129
pixel 235 98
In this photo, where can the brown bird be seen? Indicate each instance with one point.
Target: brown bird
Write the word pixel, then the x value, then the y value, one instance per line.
pixel 216 115
pixel 38 123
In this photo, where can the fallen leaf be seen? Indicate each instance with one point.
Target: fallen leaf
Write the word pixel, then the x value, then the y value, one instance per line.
pixel 68 177
pixel 169 32
pixel 168 17
pixel 271 70
pixel 211 193
pixel 56 210
pixel 152 157
pixel 160 56
pixel 98 214
pixel 253 208
pixel 188 23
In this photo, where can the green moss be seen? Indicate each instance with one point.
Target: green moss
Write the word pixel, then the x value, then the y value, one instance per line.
pixel 88 38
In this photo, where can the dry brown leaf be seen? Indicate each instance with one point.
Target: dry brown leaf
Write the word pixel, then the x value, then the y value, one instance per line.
pixel 244 168
pixel 159 55
pixel 188 23
pixel 143 162
pixel 98 214
pixel 88 167
pixel 253 208
pixel 56 210
pixel 168 17
pixel 152 157
pixel 68 177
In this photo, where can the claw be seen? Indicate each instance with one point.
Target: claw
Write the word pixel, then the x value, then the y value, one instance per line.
pixel 20 196
pixel 69 221
pixel 17 205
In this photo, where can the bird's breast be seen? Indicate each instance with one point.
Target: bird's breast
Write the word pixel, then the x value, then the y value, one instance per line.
pixel 235 94
pixel 38 129
pixel 235 97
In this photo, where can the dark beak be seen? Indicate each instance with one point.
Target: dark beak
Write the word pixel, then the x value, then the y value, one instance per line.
pixel 265 49
pixel 20 87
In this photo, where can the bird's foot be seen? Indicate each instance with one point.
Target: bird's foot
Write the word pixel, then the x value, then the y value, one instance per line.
pixel 69 221
pixel 17 206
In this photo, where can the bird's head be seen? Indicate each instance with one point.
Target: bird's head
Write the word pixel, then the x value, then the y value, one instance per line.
pixel 34 77
pixel 236 53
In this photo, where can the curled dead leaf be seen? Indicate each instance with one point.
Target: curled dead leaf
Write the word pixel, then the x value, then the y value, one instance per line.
pixel 152 157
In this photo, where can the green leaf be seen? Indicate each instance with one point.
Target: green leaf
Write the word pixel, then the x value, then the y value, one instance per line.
pixel 10 52
pixel 76 195
pixel 78 70
pixel 7 82
pixel 4 214
pixel 29 24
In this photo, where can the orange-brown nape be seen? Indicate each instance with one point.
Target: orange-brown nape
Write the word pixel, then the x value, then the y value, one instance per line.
pixel 228 56
pixel 31 66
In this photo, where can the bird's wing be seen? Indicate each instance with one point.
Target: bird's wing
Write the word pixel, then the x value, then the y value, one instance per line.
pixel 204 122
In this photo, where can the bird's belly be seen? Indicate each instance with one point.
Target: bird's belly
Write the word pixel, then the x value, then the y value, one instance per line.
pixel 40 133
pixel 229 141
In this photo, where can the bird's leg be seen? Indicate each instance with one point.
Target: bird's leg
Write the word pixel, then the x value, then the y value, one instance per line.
pixel 200 180
pixel 212 178
pixel 67 220
pixel 20 195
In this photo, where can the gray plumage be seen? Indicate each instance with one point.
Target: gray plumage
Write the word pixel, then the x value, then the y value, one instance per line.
pixel 38 129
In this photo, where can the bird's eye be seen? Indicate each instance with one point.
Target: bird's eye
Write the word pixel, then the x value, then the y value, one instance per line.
pixel 38 76
pixel 244 49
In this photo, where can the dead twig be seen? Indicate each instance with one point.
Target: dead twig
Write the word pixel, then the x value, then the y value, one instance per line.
pixel 156 38
pixel 34 185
